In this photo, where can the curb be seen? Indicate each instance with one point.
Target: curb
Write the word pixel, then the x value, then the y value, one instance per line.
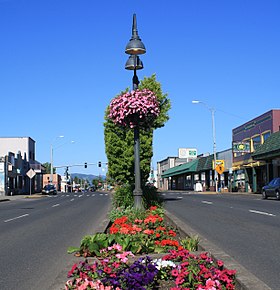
pixel 4 199
pixel 245 280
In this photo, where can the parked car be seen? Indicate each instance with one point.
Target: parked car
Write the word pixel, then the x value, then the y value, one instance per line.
pixel 49 189
pixel 272 189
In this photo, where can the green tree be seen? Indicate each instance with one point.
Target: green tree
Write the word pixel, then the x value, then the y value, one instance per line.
pixel 47 166
pixel 119 142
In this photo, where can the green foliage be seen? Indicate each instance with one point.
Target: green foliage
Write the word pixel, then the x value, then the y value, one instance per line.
pixel 151 196
pixel 47 167
pixel 119 142
pixel 91 245
pixel 190 243
pixel 123 196
pixel 165 105
pixel 131 212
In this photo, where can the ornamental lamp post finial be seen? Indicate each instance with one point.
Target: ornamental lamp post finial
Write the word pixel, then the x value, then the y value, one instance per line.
pixel 135 45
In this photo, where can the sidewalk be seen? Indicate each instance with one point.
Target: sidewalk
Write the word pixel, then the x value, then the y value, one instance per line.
pixel 20 196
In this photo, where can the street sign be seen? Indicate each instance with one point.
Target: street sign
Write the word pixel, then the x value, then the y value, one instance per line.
pixel 219 166
pixel 220 169
pixel 218 162
pixel 31 173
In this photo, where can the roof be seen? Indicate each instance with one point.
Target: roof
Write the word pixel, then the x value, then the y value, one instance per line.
pixel 269 149
pixel 181 169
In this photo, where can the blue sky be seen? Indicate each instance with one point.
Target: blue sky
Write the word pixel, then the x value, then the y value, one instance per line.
pixel 62 61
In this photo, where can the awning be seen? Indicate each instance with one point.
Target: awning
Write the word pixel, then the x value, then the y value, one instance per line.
pixel 269 149
pixel 189 167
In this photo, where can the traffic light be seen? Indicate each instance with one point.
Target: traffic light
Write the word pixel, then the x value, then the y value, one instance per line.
pixel 99 164
pixel 85 165
pixel 66 173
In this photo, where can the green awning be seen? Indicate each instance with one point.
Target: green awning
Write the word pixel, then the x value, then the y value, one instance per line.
pixel 189 167
pixel 269 149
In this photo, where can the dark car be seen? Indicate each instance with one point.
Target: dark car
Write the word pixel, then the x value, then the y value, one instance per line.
pixel 49 189
pixel 272 189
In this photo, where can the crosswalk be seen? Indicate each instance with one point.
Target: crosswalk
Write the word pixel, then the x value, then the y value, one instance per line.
pixel 78 195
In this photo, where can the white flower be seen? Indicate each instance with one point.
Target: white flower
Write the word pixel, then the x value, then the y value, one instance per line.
pixel 159 263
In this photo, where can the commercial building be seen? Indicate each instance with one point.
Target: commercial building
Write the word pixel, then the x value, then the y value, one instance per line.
pixel 20 173
pixel 253 164
pixel 188 175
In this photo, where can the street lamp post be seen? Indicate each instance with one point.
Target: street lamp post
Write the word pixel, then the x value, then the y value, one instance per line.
pixel 133 48
pixel 212 110
pixel 51 177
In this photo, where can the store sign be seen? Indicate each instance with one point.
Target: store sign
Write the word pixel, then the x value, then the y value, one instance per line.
pixel 241 147
pixel 187 153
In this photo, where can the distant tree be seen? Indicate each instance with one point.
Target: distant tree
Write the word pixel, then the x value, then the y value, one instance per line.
pixel 47 166
pixel 95 182
pixel 119 141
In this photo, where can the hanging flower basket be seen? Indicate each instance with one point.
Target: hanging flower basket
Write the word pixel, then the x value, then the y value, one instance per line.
pixel 135 108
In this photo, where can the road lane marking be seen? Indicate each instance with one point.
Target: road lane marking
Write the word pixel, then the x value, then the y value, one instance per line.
pixel 261 212
pixel 72 199
pixel 55 205
pixel 207 202
pixel 18 217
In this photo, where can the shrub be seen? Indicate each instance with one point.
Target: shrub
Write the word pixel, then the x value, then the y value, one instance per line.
pixel 123 197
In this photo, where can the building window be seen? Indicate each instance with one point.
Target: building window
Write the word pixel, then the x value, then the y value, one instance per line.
pixel 256 141
pixel 265 135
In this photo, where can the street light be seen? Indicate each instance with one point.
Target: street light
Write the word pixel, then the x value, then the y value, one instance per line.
pixel 134 47
pixel 51 177
pixel 212 110
pixel 52 148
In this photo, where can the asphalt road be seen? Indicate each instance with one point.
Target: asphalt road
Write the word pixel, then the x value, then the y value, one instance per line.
pixel 244 226
pixel 35 235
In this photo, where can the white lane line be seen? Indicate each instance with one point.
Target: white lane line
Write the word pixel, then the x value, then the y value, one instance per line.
pixel 55 205
pixel 18 217
pixel 261 212
pixel 80 195
pixel 93 194
pixel 72 199
pixel 207 202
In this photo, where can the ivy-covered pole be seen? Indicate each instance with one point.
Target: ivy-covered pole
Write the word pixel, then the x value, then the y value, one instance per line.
pixel 134 48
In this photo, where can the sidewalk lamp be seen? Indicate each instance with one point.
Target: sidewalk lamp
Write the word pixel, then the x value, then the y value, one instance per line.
pixel 135 47
pixel 212 110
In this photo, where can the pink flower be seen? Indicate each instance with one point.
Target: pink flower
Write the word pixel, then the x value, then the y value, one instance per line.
pixel 133 108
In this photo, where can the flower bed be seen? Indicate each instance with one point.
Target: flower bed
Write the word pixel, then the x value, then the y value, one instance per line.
pixel 123 259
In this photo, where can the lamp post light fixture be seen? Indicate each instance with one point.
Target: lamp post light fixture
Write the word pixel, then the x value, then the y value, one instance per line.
pixel 51 177
pixel 212 110
pixel 134 47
